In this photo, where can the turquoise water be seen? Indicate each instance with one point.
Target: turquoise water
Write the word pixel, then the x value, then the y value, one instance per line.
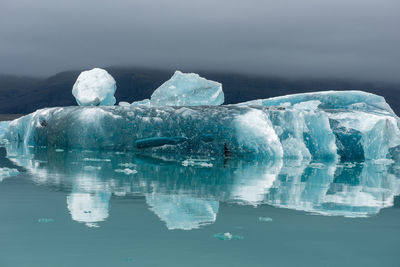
pixel 83 208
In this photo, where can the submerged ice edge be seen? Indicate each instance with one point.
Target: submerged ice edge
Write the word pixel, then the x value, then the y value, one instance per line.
pixel 294 129
pixel 188 197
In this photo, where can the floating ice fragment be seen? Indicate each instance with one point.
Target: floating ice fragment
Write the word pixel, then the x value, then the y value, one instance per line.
pixel 224 236
pixel 383 161
pixel 349 164
pixel 7 172
pixel 92 168
pixel 197 162
pixel 96 160
pixel 127 165
pixel 227 236
pixel 317 165
pixel 187 89
pixel 265 219
pixel 92 225
pixel 46 220
pixel 126 171
pixel 94 87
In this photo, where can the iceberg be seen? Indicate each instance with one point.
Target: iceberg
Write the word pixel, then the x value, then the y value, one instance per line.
pixel 187 89
pixel 95 87
pixel 312 129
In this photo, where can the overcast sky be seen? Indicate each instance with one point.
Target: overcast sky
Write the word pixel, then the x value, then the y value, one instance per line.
pixel 298 38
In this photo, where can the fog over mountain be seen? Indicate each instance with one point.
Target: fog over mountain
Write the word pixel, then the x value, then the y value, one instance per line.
pixel 338 39
pixel 24 95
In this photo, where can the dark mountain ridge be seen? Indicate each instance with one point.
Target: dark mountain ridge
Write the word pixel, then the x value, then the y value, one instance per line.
pixel 25 95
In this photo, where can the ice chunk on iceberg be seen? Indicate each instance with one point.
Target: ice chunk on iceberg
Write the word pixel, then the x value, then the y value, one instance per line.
pixel 124 104
pixel 145 102
pixel 95 87
pixel 187 89
pixel 354 100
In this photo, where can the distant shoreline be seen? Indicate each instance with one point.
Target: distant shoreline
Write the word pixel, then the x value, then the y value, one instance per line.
pixel 9 117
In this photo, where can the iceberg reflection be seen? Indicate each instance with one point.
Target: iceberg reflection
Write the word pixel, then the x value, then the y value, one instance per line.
pixel 88 208
pixel 187 196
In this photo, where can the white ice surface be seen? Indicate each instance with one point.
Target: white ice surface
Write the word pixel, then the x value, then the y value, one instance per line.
pixel 95 87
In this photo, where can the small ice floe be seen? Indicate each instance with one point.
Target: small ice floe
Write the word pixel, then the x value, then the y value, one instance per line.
pixel 46 220
pixel 383 161
pixel 59 150
pixel 96 160
pixel 265 219
pixel 227 236
pixel 197 163
pixel 127 165
pixel 317 165
pixel 348 165
pixel 92 225
pixel 126 171
pixel 7 172
pixel 117 153
pixel 92 168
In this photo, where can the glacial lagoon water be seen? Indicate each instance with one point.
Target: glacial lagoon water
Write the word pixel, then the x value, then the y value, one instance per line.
pixel 86 208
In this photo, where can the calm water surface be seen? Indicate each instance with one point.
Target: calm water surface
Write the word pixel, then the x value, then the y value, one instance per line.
pixel 83 208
